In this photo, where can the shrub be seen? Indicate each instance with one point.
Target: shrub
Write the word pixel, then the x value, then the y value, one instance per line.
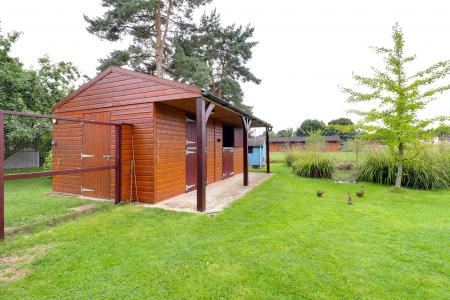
pixel 313 165
pixel 48 161
pixel 429 170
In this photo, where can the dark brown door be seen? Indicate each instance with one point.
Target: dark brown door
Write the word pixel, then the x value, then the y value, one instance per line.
pixel 191 154
pixel 227 161
pixel 96 153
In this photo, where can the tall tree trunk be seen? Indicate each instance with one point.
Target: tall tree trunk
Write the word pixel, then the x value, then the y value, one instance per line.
pixel 398 180
pixel 159 46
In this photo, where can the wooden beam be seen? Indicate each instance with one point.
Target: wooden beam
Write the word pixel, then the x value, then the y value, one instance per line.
pixel 267 150
pixel 118 166
pixel 201 153
pixel 246 122
pixel 2 179
pixel 56 172
pixel 208 112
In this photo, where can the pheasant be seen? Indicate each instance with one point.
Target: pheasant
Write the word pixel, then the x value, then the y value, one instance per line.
pixel 349 199
pixel 320 193
pixel 360 193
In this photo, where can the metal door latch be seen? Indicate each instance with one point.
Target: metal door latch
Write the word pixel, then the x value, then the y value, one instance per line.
pixel 83 155
pixel 83 189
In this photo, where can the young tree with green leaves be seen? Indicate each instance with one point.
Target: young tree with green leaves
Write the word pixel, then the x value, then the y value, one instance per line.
pixel 150 24
pixel 214 57
pixel 398 98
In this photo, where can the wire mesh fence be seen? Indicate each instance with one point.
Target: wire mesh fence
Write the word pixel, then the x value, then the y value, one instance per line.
pixel 57 156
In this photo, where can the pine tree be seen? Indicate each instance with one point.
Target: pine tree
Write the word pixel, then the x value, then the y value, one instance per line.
pixel 214 57
pixel 149 23
pixel 398 98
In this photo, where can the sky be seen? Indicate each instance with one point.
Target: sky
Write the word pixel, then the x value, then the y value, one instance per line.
pixel 306 49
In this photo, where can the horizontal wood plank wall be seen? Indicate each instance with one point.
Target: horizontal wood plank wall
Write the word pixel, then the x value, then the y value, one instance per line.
pixel 332 147
pixel 119 89
pixel 218 150
pixel 140 115
pixel 238 161
pixel 170 177
pixel 210 151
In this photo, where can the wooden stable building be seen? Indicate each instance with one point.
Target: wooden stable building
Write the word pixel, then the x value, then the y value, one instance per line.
pixel 177 137
pixel 297 143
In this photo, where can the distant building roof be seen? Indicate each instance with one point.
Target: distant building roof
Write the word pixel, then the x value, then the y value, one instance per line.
pixel 256 141
pixel 302 139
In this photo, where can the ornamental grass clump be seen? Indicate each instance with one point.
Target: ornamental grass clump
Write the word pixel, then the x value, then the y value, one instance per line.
pixel 313 165
pixel 428 170
pixel 291 156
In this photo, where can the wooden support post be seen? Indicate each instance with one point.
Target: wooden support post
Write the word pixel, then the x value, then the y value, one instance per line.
pixel 201 154
pixel 2 176
pixel 246 122
pixel 267 150
pixel 118 166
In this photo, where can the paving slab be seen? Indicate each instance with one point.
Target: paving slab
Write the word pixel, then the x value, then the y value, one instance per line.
pixel 219 194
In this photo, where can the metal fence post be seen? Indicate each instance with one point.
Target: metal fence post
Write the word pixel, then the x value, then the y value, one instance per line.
pixel 118 167
pixel 2 179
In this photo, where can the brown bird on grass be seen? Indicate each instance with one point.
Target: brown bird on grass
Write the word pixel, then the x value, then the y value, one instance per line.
pixel 349 199
pixel 320 193
pixel 360 193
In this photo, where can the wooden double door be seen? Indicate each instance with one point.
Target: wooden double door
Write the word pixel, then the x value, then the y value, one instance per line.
pixel 96 152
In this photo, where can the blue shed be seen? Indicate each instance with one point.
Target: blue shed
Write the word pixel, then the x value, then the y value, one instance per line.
pixel 256 151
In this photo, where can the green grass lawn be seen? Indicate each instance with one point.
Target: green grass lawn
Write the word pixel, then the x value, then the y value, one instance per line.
pixel 279 241
pixel 277 157
pixel 26 203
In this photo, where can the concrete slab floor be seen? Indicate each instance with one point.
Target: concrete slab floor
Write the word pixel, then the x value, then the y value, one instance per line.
pixel 218 194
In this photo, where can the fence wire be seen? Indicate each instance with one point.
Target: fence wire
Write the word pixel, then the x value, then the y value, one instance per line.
pixel 55 156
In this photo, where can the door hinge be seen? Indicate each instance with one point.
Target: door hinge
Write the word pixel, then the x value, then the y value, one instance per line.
pixel 83 155
pixel 83 189
pixel 107 157
pixel 190 152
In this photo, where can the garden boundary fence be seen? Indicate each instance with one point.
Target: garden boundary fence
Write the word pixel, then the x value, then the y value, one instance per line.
pixel 82 156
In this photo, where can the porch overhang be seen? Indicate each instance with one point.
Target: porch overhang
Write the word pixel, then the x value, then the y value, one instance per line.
pixel 205 106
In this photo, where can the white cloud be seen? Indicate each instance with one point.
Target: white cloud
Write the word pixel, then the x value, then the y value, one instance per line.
pixel 306 48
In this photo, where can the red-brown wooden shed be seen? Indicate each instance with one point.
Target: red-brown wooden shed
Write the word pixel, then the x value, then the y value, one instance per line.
pixel 179 137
